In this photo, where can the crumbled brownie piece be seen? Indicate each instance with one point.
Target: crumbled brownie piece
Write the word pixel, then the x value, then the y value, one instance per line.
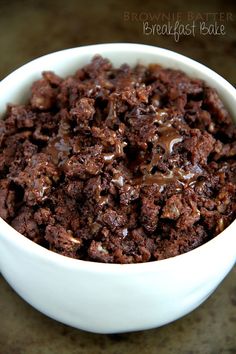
pixel 118 165
pixel 44 216
pixel 43 95
pixel 99 253
pixel 62 240
pixel 83 112
pixel 200 145
pixel 37 179
pixel 7 199
pixel 149 214
pixel 113 220
pixel 88 163
pixel 24 223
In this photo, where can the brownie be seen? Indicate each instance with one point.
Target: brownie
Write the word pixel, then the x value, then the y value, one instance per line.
pixel 118 165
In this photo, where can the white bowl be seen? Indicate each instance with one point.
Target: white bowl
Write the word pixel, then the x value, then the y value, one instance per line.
pixel 110 298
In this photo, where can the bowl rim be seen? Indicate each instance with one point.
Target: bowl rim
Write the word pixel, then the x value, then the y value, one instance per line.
pixel 27 245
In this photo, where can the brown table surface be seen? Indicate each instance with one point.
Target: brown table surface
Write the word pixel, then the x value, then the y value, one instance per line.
pixel 30 28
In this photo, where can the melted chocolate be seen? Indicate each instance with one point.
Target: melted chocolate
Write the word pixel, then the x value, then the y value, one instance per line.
pixel 58 148
pixel 169 136
pixel 176 175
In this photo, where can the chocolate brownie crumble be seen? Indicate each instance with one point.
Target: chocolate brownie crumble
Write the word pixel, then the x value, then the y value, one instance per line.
pixel 118 165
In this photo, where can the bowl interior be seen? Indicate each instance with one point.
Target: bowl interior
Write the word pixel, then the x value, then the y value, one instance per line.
pixel 15 87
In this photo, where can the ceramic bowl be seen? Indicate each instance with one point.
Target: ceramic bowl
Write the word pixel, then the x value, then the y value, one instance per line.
pixel 111 298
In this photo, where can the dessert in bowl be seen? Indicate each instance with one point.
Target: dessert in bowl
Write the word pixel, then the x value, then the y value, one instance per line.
pixel 110 298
